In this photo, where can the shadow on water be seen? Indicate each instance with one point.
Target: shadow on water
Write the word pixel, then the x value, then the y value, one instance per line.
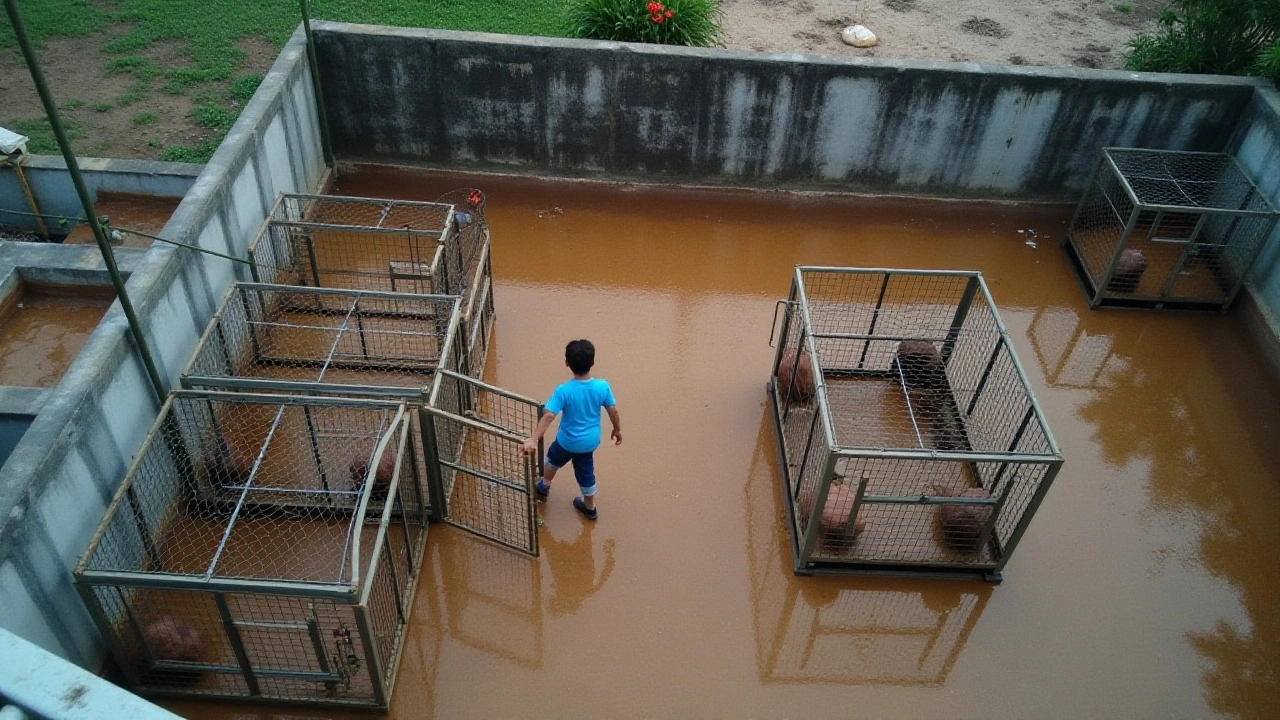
pixel 1209 441
pixel 844 631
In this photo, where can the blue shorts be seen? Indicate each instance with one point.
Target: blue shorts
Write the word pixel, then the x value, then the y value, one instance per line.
pixel 584 466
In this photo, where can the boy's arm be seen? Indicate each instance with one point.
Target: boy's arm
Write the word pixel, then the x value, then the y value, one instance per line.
pixel 530 446
pixel 617 424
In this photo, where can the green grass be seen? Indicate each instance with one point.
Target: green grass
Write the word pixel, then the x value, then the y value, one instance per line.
pixel 199 153
pixel 1123 8
pixel 73 104
pixel 144 118
pixel 42 140
pixel 103 107
pixel 213 117
pixel 243 87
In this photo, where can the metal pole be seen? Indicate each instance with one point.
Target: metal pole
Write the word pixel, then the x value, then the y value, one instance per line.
pixel 55 122
pixel 325 143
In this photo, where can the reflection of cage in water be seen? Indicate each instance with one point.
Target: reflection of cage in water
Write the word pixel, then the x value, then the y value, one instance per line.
pixel 1159 228
pixel 806 633
pixel 910 437
pixel 262 547
pixel 1071 356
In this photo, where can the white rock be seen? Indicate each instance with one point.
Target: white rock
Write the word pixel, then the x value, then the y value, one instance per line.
pixel 858 36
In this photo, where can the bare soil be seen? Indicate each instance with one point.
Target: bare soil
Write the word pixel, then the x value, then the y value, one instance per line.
pixel 1079 33
pixel 1057 33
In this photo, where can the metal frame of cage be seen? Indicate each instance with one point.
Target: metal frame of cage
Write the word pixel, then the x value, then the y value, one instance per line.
pixel 945 461
pixel 392 346
pixel 1197 220
pixel 282 585
pixel 360 243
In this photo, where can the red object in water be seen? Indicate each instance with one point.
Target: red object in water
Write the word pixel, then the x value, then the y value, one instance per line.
pixel 476 197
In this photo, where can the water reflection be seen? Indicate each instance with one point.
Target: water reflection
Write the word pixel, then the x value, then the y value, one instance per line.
pixel 846 631
pixel 492 597
pixel 573 569
pixel 1187 397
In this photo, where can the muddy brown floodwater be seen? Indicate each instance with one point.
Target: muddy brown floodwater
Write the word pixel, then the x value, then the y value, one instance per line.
pixel 1144 587
pixel 43 327
pixel 144 213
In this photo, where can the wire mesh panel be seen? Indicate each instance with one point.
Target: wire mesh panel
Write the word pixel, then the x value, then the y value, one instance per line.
pixel 1158 228
pixel 262 546
pixel 909 437
pixel 360 243
pixel 487 484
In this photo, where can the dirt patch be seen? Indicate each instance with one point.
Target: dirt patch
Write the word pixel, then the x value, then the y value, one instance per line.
pixel 986 27
pixel 1049 33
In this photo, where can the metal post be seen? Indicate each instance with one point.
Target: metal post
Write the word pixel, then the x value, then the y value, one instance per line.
pixel 435 480
pixel 875 316
pixel 73 168
pixel 326 144
pixel 819 503
pixel 237 644
pixel 962 314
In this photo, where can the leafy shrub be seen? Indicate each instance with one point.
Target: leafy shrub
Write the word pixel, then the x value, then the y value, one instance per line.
pixel 1222 37
pixel 673 22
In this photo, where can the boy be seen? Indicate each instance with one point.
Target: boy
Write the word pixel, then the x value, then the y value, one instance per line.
pixel 580 399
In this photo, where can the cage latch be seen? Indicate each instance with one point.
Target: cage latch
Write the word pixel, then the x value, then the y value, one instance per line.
pixel 774 327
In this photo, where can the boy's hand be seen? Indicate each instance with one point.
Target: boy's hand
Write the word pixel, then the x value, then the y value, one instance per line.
pixel 529 447
pixel 617 436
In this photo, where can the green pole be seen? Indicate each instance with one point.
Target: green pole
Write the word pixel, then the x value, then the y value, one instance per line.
pixel 72 167
pixel 325 144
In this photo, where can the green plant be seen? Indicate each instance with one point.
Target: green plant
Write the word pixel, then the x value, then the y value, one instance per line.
pixel 244 86
pixel 42 141
pixel 1123 8
pixel 74 104
pixel 1225 37
pixel 213 117
pixel 1268 64
pixel 674 22
pixel 144 118
pixel 103 107
pixel 200 153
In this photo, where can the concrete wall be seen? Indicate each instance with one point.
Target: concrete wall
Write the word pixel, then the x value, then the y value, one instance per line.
pixel 56 196
pixel 721 117
pixel 1256 144
pixel 56 485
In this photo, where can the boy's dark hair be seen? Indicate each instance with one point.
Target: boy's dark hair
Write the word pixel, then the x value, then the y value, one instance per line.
pixel 580 356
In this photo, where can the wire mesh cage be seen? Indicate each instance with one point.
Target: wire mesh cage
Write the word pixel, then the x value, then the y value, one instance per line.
pixel 1159 228
pixel 475 438
pixel 909 436
pixel 262 547
pixel 360 243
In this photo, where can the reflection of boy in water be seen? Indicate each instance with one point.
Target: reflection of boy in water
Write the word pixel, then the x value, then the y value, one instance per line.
pixel 573 571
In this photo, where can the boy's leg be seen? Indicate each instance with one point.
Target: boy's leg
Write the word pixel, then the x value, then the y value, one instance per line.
pixel 556 458
pixel 584 471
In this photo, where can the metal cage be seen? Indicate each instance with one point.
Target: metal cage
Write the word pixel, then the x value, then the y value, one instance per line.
pixel 360 243
pixel 384 245
pixel 1158 228
pixel 262 547
pixel 910 439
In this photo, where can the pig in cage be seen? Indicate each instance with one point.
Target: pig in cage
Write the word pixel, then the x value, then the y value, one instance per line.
pixel 360 243
pixel 910 439
pixel 262 547
pixel 1160 228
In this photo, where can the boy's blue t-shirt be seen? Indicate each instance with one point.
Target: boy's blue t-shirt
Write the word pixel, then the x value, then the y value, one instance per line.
pixel 580 401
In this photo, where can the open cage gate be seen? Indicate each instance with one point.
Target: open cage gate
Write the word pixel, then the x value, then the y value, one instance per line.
pixel 262 547
pixel 384 245
pixel 909 437
pixel 1161 228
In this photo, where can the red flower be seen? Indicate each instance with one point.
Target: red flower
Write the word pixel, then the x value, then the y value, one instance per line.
pixel 655 8
pixel 476 197
pixel 670 13
pixel 655 19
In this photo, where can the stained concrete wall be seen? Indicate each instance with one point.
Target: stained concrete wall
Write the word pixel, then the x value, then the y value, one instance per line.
pixel 56 485
pixel 55 195
pixel 1256 144
pixel 711 116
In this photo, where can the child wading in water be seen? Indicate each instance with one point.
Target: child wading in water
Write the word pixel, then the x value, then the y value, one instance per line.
pixel 580 399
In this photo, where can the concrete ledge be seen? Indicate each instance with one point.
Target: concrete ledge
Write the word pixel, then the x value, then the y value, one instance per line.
pixel 22 400
pixel 720 117
pixel 55 194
